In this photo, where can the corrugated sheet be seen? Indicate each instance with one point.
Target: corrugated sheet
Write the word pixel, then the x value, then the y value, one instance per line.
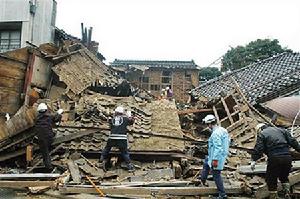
pixel 261 81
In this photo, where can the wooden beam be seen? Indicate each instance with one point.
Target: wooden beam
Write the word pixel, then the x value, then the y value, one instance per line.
pixel 188 111
pixel 29 175
pixel 74 170
pixel 22 184
pixel 216 115
pixel 227 110
pixel 181 191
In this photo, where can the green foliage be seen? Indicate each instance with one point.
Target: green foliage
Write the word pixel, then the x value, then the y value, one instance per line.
pixel 207 73
pixel 242 56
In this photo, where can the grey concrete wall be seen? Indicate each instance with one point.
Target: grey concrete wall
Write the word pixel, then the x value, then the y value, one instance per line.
pixel 36 28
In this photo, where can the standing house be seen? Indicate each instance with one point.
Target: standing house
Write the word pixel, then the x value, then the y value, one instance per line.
pixel 180 76
pixel 26 20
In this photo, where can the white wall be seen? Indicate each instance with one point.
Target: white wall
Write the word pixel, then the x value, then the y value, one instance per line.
pixel 14 10
pixel 36 28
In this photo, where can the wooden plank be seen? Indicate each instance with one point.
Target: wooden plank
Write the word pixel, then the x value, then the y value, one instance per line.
pixel 263 192
pixel 29 175
pixel 74 170
pixel 227 110
pixel 182 112
pixel 216 115
pixel 22 184
pixel 262 168
pixel 182 191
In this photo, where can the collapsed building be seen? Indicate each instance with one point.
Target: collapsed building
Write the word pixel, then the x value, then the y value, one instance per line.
pixel 167 142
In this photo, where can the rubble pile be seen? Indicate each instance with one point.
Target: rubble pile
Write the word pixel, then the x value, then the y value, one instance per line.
pixel 167 141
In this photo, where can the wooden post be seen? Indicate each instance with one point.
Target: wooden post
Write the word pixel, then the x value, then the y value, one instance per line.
pixel 216 115
pixel 227 110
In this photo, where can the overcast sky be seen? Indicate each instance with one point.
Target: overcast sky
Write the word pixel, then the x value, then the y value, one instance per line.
pixel 202 30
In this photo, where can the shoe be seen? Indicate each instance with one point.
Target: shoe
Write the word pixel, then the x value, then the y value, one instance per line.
pixel 130 167
pixel 200 183
pixel 221 197
pixel 286 190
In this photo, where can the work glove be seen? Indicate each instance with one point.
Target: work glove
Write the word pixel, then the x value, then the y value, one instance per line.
pixel 60 111
pixel 215 163
pixel 252 165
pixel 128 113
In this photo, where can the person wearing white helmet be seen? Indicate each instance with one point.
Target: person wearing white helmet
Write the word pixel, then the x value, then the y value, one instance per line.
pixel 275 143
pixel 218 149
pixel 118 137
pixel 43 129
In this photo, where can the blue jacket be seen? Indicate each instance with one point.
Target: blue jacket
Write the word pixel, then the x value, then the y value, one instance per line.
pixel 218 146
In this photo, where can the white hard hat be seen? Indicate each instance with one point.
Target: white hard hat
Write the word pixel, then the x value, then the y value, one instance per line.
pixel 209 119
pixel 42 107
pixel 259 126
pixel 167 88
pixel 119 109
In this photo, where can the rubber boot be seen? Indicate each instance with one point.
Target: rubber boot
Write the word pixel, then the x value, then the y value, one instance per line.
pixel 104 165
pixel 273 195
pixel 130 167
pixel 286 190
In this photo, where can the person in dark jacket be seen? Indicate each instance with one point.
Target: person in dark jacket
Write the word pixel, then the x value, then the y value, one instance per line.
pixel 43 129
pixel 118 137
pixel 275 143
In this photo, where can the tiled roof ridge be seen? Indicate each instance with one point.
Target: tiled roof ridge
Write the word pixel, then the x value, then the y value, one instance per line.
pixel 233 73
pixel 132 61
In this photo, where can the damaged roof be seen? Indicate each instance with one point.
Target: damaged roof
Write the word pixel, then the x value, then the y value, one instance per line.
pixel 82 69
pixel 287 107
pixel 157 64
pixel 261 81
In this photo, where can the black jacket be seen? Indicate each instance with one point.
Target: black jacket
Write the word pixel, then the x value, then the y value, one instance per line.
pixel 44 123
pixel 119 125
pixel 274 141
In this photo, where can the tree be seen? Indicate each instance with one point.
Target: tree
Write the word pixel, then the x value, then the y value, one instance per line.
pixel 242 56
pixel 207 73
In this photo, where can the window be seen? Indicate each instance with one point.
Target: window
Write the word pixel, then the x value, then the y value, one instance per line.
pixel 166 80
pixel 9 40
pixel 144 79
pixel 167 73
pixel 155 87
pixel 188 76
pixel 166 77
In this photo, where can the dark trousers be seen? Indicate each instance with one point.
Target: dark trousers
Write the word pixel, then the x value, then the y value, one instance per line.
pixel 121 144
pixel 45 145
pixel 278 167
pixel 216 176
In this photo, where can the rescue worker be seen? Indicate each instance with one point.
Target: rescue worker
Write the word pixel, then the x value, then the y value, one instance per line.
pixel 118 137
pixel 275 143
pixel 218 148
pixel 43 129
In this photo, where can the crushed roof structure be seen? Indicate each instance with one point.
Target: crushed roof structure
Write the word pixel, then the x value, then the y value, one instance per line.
pixel 156 64
pixel 261 81
pixel 82 69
